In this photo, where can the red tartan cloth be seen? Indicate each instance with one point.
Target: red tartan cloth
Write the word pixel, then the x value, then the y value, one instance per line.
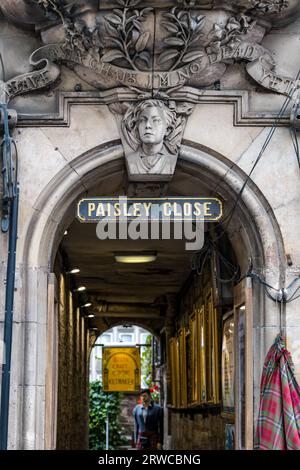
pixel 278 426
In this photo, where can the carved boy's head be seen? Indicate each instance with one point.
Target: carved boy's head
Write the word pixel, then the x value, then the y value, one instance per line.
pixel 148 123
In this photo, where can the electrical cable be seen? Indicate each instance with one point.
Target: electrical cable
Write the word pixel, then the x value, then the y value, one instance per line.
pixel 295 142
pixel 264 147
pixel 293 295
pixel 204 252
pixel 210 248
pixel 295 298
pixel 274 126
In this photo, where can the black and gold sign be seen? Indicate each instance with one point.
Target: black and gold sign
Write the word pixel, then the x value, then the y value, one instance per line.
pixel 177 208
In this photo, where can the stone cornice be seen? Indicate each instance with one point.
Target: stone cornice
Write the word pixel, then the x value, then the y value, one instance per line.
pixel 238 99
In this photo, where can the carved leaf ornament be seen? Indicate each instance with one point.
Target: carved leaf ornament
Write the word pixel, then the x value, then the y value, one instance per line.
pixel 124 31
pixel 185 31
pixel 118 48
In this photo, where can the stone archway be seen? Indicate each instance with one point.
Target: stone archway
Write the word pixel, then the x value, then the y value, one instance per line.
pixel 255 227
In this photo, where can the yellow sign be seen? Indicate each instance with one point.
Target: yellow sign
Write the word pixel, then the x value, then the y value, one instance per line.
pixel 121 369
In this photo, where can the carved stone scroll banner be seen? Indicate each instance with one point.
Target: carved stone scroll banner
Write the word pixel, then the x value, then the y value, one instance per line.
pixel 106 76
pixel 119 47
pixel 38 79
pixel 262 72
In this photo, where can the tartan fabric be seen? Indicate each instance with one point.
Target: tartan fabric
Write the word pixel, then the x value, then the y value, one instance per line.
pixel 278 425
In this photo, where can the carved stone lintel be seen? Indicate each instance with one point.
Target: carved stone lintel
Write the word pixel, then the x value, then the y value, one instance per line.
pixel 146 189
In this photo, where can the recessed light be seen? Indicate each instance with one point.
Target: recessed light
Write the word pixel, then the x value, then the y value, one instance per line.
pixel 135 257
pixel 89 304
pixel 73 271
pixel 91 316
pixel 81 289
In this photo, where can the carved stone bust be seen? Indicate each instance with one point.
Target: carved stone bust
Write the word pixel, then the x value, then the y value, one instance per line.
pixel 148 129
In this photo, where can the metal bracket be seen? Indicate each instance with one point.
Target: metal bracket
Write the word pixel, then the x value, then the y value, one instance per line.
pixel 295 113
pixel 8 120
pixel 12 117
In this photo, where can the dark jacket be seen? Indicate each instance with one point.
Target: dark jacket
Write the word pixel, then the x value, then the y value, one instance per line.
pixel 154 421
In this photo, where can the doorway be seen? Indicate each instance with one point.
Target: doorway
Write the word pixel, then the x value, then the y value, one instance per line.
pixel 194 176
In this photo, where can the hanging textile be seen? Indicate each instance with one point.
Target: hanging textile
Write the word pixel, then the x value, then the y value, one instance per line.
pixel 278 426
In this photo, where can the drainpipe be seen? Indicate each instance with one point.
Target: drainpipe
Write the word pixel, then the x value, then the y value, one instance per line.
pixel 9 223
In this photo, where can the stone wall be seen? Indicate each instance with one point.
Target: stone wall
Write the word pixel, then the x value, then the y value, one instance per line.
pixel 205 431
pixel 230 125
pixel 128 402
pixel 72 413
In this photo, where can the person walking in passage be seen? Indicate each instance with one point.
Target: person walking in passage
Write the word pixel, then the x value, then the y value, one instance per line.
pixel 148 420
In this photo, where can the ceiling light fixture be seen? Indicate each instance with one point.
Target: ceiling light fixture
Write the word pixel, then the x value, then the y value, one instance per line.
pixel 91 316
pixel 89 304
pixel 80 289
pixel 73 271
pixel 136 257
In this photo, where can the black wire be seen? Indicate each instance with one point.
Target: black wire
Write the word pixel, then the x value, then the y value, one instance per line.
pixel 209 248
pixel 258 277
pixel 293 295
pixel 205 250
pixel 292 300
pixel 200 258
pixel 295 142
pixel 229 217
pixel 264 147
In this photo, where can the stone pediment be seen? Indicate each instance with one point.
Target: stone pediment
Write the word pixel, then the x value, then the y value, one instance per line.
pixel 149 46
pixel 151 62
pixel 276 12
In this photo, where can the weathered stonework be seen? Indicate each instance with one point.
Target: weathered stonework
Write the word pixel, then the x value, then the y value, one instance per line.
pixel 72 406
pixel 69 141
pixel 197 432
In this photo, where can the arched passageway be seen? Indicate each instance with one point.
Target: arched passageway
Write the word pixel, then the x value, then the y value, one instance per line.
pixel 161 297
pixel 112 394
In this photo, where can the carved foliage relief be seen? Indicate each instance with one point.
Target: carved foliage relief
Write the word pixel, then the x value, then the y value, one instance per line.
pixel 140 44
pixel 154 49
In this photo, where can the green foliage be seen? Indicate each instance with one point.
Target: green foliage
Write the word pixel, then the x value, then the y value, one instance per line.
pixel 100 403
pixel 146 362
